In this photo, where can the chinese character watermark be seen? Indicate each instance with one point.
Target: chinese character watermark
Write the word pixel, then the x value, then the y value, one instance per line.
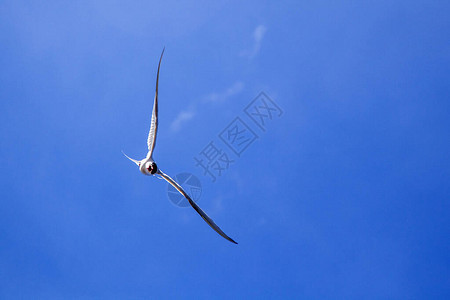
pixel 262 110
pixel 238 136
pixel 213 161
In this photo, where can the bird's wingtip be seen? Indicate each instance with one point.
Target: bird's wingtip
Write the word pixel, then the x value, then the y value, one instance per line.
pixel 133 160
pixel 233 241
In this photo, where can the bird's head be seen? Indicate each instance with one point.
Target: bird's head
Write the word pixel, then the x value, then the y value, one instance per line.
pixel 148 168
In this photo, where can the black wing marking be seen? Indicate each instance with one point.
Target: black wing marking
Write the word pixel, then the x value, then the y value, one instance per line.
pixel 196 207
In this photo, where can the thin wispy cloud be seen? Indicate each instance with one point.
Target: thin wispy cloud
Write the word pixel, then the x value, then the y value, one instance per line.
pixel 258 35
pixel 216 97
pixel 185 115
pixel 236 88
pixel 182 117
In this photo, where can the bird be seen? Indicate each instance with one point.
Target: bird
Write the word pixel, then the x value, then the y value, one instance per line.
pixel 148 166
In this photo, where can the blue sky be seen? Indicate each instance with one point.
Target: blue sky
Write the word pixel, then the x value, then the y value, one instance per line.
pixel 345 195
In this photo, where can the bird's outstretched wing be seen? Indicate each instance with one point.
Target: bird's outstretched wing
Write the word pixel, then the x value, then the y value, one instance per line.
pixel 151 140
pixel 196 207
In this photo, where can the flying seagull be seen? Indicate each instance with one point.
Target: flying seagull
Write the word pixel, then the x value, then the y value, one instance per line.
pixel 147 166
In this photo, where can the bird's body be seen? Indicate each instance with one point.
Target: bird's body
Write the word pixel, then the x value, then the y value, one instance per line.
pixel 147 166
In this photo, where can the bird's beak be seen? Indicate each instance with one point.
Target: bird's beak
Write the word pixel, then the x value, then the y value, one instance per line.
pixel 133 160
